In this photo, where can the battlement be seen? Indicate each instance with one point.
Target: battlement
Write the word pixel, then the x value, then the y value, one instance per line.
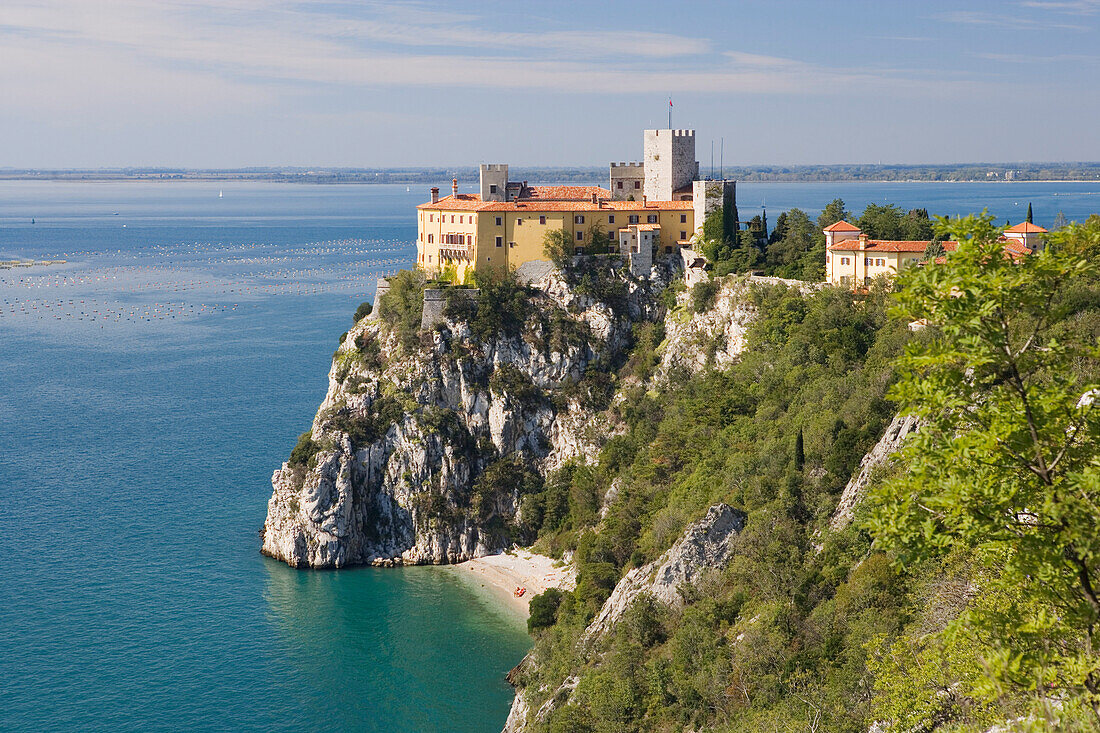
pixel 675 133
pixel 625 165
pixel 494 167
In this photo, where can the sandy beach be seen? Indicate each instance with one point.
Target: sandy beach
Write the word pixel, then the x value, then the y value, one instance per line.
pixel 503 573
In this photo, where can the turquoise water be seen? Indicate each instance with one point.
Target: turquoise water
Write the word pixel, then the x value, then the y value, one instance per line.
pixel 149 387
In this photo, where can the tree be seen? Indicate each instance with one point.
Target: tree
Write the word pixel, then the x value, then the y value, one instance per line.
pixel 881 221
pixel 833 212
pixel 1006 467
pixel 1028 220
pixel 557 246
pixel 362 312
pixel 1060 221
pixel 787 257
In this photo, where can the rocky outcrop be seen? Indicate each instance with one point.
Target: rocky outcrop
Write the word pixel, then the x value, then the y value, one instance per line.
pixel 716 337
pixel 890 443
pixel 397 448
pixel 706 545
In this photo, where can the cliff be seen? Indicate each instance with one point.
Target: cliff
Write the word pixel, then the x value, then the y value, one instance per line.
pixel 400 461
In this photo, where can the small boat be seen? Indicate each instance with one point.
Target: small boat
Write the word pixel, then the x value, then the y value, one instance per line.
pixel 518 592
pixel 220 194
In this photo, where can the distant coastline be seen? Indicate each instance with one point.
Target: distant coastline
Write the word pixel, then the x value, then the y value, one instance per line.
pixel 952 173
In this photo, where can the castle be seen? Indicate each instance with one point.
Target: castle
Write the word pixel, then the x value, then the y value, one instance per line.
pixel 656 206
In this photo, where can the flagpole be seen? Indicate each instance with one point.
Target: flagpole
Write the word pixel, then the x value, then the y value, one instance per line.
pixel 670 113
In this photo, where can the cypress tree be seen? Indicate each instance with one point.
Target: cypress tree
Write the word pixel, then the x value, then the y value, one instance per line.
pixel 799 451
pixel 1029 213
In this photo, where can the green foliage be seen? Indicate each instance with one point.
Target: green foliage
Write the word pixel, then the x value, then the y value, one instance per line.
pixel 1005 467
pixel 305 449
pixel 402 307
pixel 887 221
pixel 833 212
pixel 557 246
pixel 703 295
pixel 543 610
pixel 362 311
pixel 782 634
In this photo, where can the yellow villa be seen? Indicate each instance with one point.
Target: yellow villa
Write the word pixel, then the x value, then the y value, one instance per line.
pixel 656 205
pixel 853 259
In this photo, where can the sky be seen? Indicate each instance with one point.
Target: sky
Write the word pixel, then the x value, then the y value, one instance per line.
pixel 231 83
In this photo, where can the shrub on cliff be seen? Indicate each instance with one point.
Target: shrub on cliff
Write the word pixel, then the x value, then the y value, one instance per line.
pixel 306 448
pixel 402 307
pixel 362 311
pixel 544 610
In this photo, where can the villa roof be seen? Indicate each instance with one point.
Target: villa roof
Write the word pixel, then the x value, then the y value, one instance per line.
pixel 1026 227
pixel 841 226
pixel 888 245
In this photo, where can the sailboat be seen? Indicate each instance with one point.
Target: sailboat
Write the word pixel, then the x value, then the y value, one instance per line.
pixel 220 194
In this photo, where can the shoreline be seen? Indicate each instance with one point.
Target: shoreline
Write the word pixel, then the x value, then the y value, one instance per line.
pixel 499 575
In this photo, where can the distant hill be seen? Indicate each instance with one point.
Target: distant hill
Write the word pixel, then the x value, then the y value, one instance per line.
pixel 1082 171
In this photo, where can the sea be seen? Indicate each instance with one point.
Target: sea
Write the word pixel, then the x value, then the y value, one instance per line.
pixel 149 386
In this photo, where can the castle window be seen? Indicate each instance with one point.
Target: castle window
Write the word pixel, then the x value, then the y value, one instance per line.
pixel 619 185
pixel 611 219
pixel 492 188
pixel 637 185
pixel 500 241
pixel 580 236
pixel 500 220
pixel 633 218
pixel 542 220
pixel 683 218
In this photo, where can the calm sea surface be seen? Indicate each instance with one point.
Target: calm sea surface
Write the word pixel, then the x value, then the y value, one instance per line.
pixel 150 386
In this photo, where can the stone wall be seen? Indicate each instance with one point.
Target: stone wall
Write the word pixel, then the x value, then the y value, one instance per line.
pixel 628 174
pixel 435 301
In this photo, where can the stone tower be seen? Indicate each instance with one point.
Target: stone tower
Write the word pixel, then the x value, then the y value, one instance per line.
pixel 670 165
pixel 494 182
pixel 710 195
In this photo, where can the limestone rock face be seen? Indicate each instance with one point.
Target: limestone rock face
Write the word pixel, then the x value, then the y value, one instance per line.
pixel 705 545
pixel 716 337
pixel 404 433
pixel 900 428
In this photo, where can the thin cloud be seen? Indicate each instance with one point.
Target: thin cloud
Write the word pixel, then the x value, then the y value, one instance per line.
pixel 971 17
pixel 1073 7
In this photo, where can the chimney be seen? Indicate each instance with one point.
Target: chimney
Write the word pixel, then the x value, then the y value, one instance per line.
pixel 435 195
pixel 596 199
pixel 862 241
pixel 643 201
pixel 454 187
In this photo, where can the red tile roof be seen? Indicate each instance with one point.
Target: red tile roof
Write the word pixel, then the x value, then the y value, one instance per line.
pixel 888 245
pixel 1026 227
pixel 564 193
pixel 473 202
pixel 841 226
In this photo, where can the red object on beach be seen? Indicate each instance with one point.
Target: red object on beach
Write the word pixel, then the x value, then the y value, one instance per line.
pixel 518 592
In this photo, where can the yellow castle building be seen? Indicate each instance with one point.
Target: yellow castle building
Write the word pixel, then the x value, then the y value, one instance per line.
pixel 656 206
